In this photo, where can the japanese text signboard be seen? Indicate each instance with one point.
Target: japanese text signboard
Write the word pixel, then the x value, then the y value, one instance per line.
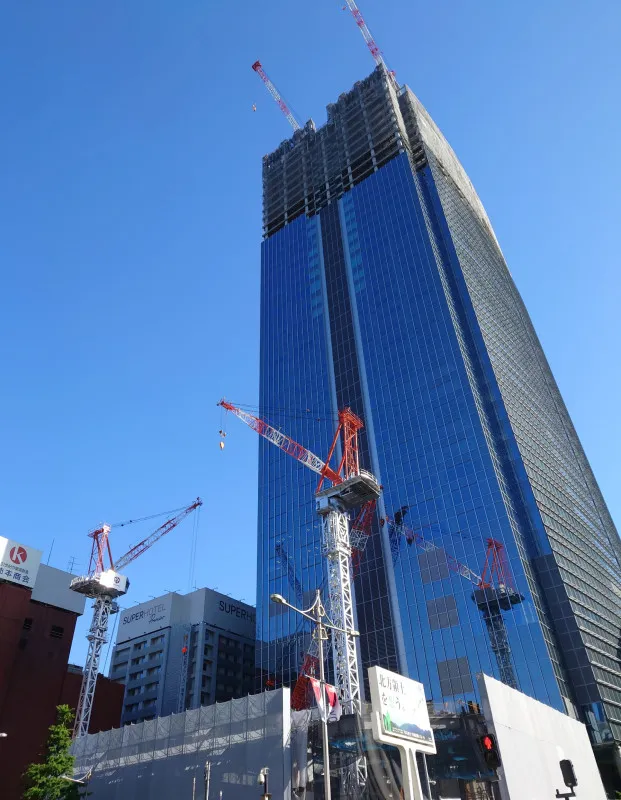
pixel 400 712
pixel 18 562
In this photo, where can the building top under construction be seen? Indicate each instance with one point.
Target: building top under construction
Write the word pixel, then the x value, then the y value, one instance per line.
pixel 366 128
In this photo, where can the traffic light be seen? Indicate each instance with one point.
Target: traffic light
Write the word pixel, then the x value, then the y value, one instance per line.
pixel 490 752
pixel 569 776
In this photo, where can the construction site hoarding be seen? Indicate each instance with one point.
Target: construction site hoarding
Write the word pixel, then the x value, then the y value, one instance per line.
pixel 167 757
pixel 533 739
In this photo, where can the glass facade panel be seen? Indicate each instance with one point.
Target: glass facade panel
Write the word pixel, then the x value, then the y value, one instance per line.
pixel 384 288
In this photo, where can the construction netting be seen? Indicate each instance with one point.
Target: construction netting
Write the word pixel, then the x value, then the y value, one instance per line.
pixel 169 756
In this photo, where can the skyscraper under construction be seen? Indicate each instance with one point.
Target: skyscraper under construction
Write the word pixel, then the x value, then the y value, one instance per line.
pixel 384 289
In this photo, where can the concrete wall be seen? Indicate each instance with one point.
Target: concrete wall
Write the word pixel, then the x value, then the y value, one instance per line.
pixel 108 702
pixel 52 588
pixel 533 738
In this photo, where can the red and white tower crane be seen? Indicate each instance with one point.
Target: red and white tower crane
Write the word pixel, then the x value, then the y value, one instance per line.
pixel 351 488
pixel 104 584
pixel 366 34
pixel 493 592
pixel 258 68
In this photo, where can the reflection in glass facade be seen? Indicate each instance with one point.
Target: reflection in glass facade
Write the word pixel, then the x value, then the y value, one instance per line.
pixel 384 288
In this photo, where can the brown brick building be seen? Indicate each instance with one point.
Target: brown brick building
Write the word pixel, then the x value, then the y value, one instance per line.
pixel 37 624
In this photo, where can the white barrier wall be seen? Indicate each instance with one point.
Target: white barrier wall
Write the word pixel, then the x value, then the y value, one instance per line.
pixel 532 739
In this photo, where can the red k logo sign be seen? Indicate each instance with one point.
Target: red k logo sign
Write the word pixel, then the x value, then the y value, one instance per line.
pixel 18 555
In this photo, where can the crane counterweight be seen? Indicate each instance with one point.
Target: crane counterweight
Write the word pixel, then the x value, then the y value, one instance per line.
pixel 107 583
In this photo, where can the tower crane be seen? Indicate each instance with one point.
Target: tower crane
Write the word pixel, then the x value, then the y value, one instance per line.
pixel 258 68
pixel 104 584
pixel 493 592
pixel 366 34
pixel 283 557
pixel 351 487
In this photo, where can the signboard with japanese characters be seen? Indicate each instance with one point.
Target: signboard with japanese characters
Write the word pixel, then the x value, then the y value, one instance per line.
pixel 18 562
pixel 400 714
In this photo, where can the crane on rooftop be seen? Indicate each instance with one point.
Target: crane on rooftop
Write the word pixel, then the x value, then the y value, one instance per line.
pixel 258 68
pixel 366 34
pixel 104 584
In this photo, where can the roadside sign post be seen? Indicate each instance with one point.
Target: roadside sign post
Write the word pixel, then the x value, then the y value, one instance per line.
pixel 399 717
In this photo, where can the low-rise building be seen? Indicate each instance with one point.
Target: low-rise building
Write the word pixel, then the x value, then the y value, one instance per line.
pixel 38 613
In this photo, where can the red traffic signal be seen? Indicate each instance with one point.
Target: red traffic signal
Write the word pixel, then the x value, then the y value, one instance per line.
pixel 489 748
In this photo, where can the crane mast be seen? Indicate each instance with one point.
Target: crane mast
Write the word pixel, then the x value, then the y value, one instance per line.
pixel 351 489
pixel 258 68
pixel 105 586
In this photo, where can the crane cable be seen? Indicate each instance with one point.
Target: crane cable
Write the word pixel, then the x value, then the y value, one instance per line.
pixel 145 519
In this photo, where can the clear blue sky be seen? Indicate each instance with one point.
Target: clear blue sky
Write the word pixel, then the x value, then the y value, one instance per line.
pixel 130 208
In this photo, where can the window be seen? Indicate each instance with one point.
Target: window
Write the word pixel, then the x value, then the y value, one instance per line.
pixel 154 671
pixel 154 655
pixel 27 626
pixel 138 660
pixel 121 653
pixel 455 677
pixel 140 646
pixel 121 666
pixel 157 639
pixel 135 676
pixel 131 707
pixel 442 612
pixel 57 632
pixel 150 687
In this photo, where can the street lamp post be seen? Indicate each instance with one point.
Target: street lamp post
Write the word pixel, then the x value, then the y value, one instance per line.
pixel 263 781
pixel 316 614
pixel 207 778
